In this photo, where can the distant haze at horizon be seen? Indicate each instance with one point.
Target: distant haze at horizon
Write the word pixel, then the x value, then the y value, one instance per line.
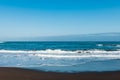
pixel 81 37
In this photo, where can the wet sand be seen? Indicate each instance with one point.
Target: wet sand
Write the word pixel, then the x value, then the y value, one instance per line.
pixel 26 74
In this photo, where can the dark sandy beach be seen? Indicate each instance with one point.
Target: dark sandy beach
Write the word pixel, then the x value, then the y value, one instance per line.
pixel 25 74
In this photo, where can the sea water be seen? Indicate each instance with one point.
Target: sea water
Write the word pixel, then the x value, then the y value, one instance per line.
pixel 61 56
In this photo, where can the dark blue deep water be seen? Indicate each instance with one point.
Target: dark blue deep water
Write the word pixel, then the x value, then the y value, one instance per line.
pixel 59 45
pixel 61 56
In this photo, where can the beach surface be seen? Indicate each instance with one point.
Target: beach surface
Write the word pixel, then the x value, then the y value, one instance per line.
pixel 10 73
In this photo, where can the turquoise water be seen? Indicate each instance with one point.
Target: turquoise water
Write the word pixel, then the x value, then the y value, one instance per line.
pixel 61 56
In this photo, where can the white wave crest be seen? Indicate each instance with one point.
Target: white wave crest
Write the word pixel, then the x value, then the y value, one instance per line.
pixel 68 54
pixel 99 44
pixel 56 51
pixel 59 51
pixel 118 45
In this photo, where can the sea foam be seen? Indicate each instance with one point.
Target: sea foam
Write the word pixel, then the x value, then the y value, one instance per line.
pixel 58 53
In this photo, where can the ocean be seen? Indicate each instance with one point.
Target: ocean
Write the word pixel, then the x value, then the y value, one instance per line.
pixel 56 56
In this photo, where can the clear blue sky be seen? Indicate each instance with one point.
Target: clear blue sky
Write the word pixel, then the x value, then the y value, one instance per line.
pixel 31 18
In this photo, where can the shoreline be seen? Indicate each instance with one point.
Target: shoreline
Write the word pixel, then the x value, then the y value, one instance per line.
pixel 12 73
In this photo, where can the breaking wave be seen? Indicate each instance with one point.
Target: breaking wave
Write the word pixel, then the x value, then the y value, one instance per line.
pixel 99 44
pixel 58 53
pixel 112 45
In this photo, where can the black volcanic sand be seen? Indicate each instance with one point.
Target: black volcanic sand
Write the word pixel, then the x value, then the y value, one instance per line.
pixel 26 74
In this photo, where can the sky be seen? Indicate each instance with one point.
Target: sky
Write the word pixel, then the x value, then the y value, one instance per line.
pixel 33 18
